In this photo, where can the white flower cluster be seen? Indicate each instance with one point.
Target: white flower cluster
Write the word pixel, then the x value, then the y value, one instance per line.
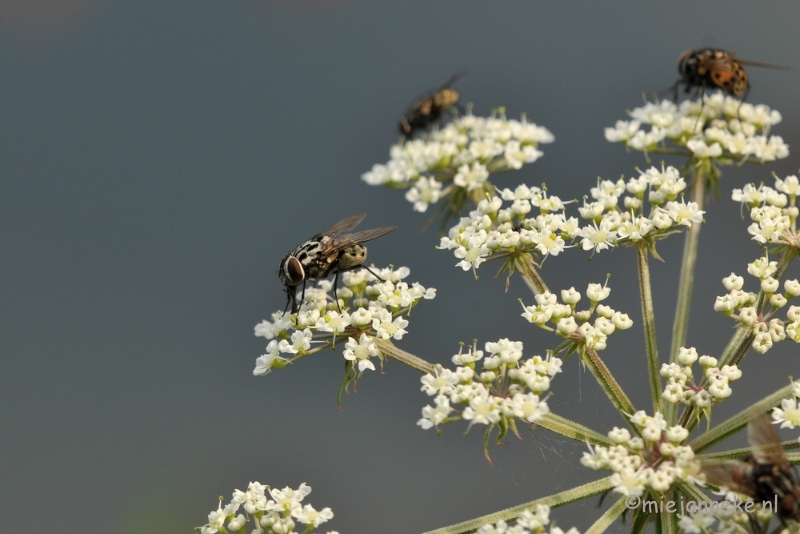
pixel 730 513
pixel 715 386
pixel 464 153
pixel 741 305
pixel 788 415
pixel 275 513
pixel 528 522
pixel 380 311
pixel 492 231
pixel 507 388
pixel 773 211
pixel 576 324
pixel 613 225
pixel 719 127
pixel 633 459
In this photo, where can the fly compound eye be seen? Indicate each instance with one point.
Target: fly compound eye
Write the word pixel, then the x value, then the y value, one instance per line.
pixel 293 271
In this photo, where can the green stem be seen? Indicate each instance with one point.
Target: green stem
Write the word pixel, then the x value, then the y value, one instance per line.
pixel 531 275
pixel 565 427
pixel 608 517
pixel 686 282
pixel 649 319
pixel 559 499
pixel 404 357
pixel 738 454
pixel 669 521
pixel 737 347
pixel 609 385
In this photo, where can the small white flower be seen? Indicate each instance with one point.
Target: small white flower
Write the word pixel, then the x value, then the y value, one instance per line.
pixel 442 382
pixel 597 293
pixel 433 415
pixel 598 237
pixel 483 409
pixel 687 356
pixel 309 516
pixel 272 358
pixel 425 191
pixel 471 177
pixel 360 351
pixel 385 327
pixel 629 482
pixel 702 150
pixel 788 415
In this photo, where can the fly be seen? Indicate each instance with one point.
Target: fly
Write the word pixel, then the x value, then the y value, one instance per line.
pixel 765 475
pixel 329 252
pixel 429 109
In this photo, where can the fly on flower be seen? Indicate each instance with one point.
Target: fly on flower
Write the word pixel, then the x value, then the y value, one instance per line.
pixel 766 475
pixel 329 252
pixel 709 68
pixel 429 109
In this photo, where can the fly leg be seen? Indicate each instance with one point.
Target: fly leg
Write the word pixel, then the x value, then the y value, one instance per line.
pixel 335 287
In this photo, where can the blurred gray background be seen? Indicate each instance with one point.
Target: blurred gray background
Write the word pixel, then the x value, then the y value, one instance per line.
pixel 158 158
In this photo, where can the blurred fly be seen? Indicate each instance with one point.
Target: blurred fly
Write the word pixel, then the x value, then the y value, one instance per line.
pixel 710 68
pixel 429 109
pixel 329 252
pixel 765 475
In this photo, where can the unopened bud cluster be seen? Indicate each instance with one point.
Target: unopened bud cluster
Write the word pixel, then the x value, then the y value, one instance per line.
pixel 528 522
pixel 266 511
pixel 653 460
pixel 458 158
pixel 380 310
pixel 788 415
pixel 568 322
pixel 741 305
pixel 717 126
pixel 507 387
pixel 712 388
pixel 773 211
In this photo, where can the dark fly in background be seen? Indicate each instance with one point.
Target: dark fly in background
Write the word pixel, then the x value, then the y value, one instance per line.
pixel 765 476
pixel 329 252
pixel 710 68
pixel 429 109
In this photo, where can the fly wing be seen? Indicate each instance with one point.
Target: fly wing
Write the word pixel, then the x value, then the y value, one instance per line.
pixel 718 64
pixel 366 235
pixel 720 474
pixel 764 439
pixel 452 79
pixel 345 225
pixel 340 243
pixel 763 65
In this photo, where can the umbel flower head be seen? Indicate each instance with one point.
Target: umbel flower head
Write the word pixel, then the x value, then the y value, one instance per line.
pixel 369 310
pixel 654 459
pixel 507 388
pixel 457 160
pixel 645 209
pixel 269 511
pixel 713 388
pixel 718 126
